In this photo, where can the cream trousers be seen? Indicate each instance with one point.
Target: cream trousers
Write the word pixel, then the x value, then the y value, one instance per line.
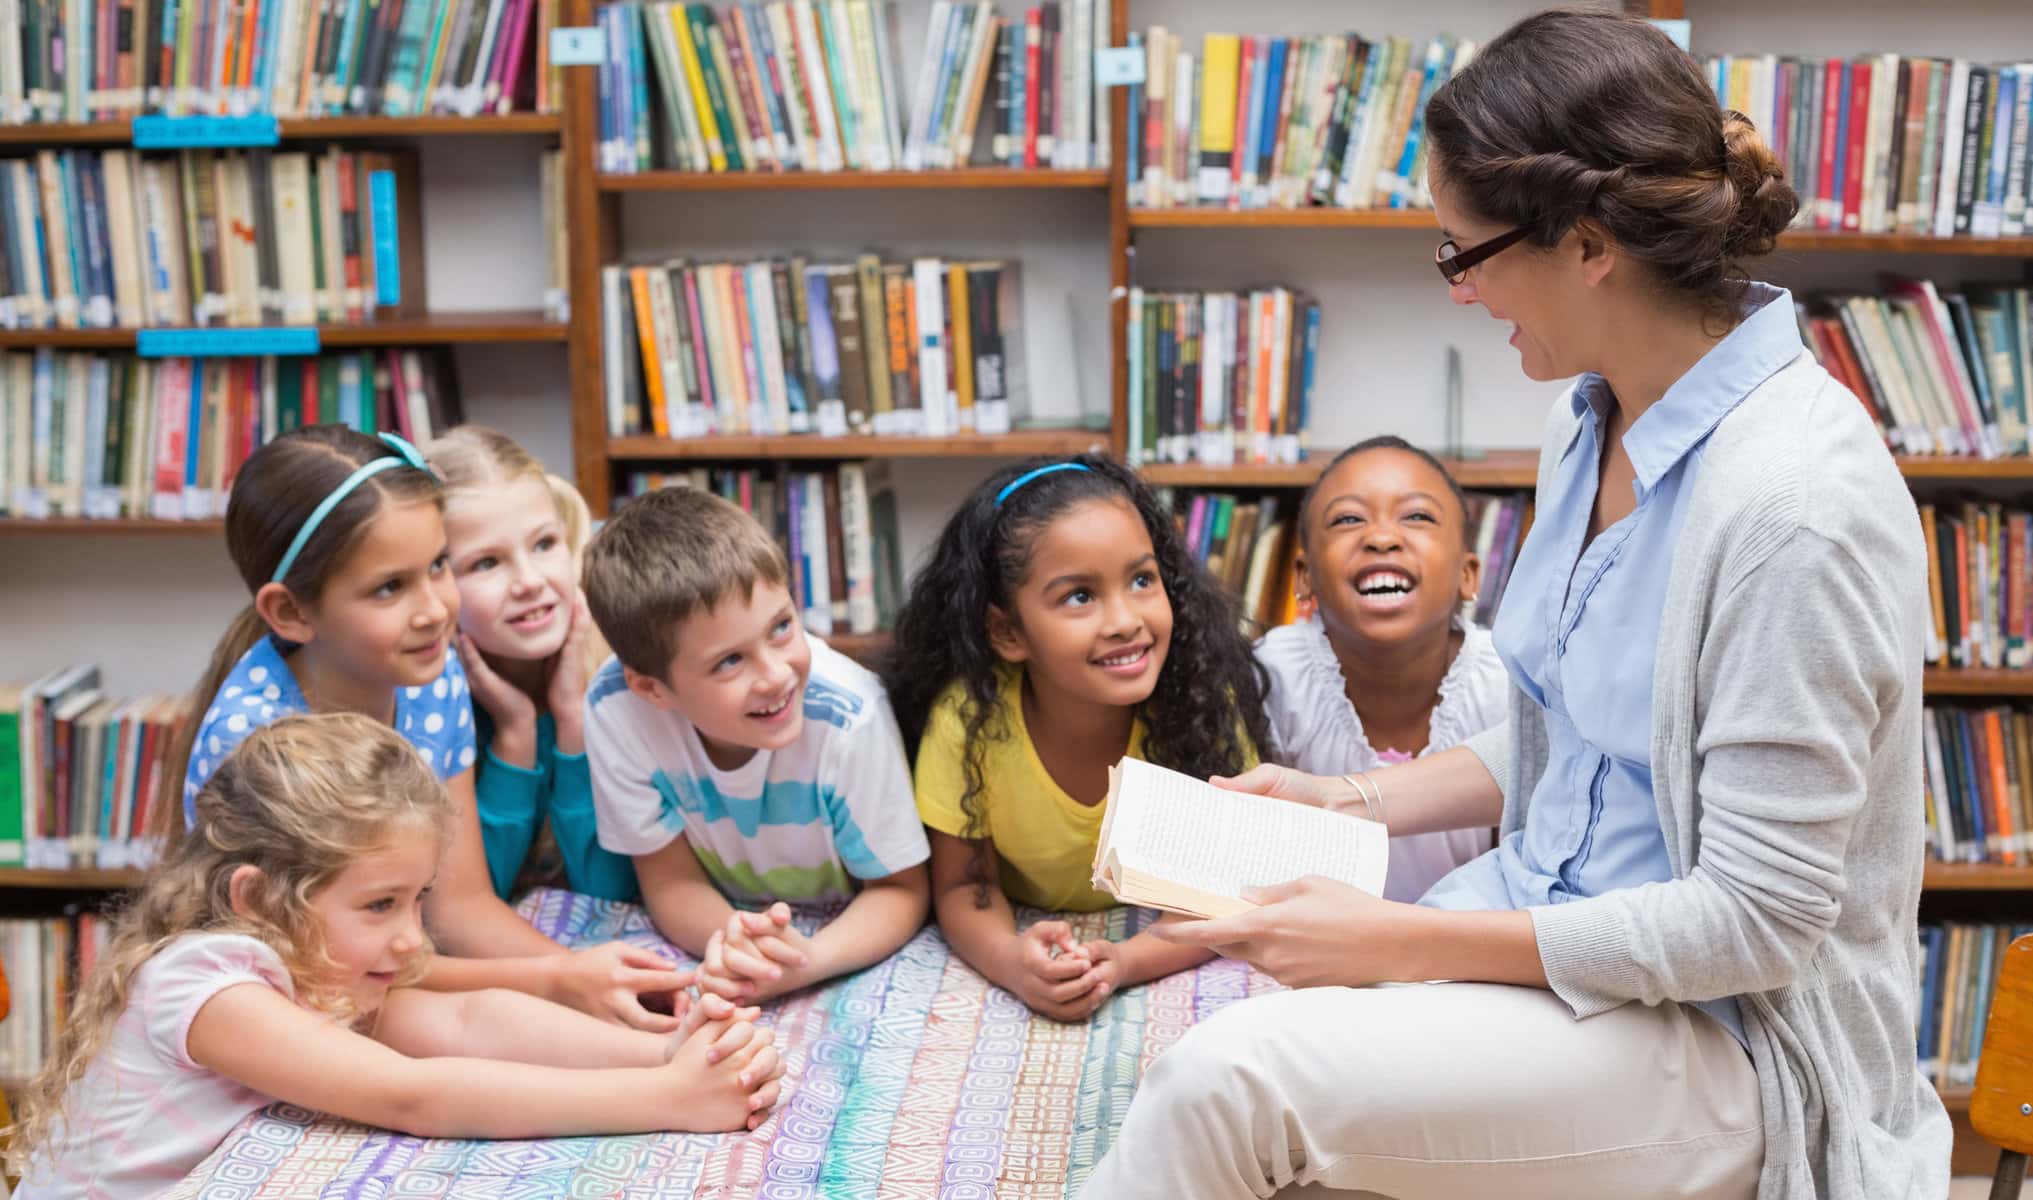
pixel 1441 1092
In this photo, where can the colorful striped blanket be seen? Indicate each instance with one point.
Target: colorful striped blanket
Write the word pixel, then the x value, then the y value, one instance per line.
pixel 913 1078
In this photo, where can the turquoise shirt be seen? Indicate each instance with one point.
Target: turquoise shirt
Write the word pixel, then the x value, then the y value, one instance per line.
pixel 514 801
pixel 1579 628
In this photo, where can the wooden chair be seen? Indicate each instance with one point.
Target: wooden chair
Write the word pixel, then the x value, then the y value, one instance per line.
pixel 2001 1109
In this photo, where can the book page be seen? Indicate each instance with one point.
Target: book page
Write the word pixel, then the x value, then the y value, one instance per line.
pixel 1191 832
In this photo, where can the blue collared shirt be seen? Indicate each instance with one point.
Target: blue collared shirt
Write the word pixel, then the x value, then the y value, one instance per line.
pixel 1579 627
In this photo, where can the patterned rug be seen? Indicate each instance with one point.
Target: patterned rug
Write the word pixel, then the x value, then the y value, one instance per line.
pixel 913 1078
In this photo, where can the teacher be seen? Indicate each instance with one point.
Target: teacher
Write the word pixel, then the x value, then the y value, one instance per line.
pixel 1689 967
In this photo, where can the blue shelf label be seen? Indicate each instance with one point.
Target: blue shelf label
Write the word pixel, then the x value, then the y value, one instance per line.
pixel 387 263
pixel 178 133
pixel 1118 66
pixel 1679 29
pixel 226 343
pixel 578 46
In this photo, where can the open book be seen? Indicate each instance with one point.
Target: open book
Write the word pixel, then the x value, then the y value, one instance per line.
pixel 1174 842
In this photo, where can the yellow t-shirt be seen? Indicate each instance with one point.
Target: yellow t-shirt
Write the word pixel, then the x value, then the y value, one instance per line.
pixel 1044 839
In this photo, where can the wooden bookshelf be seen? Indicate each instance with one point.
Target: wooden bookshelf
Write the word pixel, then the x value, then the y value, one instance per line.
pixel 1977 877
pixel 125 525
pixel 957 179
pixel 1014 445
pixel 80 879
pixel 1977 681
pixel 293 129
pixel 1495 469
pixel 424 329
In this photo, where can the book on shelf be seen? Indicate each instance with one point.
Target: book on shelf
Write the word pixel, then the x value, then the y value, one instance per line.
pixel 46 957
pixel 88 768
pixel 114 436
pixel 818 85
pixel 1979 784
pixel 1284 122
pixel 1959 973
pixel 557 295
pixel 74 60
pixel 931 347
pixel 1250 545
pixel 1977 575
pixel 1221 377
pixel 837 527
pixel 102 239
pixel 1177 843
pixel 1940 372
pixel 1885 143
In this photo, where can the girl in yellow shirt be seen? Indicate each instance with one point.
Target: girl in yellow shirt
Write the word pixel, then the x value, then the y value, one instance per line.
pixel 1060 625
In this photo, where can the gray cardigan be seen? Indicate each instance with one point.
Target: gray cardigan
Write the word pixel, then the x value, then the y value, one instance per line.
pixel 1786 762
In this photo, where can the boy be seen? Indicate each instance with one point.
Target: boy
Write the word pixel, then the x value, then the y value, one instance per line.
pixel 735 760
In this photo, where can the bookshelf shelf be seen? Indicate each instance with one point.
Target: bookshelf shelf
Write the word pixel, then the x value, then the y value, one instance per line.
pixel 1976 877
pixel 425 329
pixel 1503 469
pixel 1925 466
pixel 959 179
pixel 82 879
pixel 1013 445
pixel 1977 681
pixel 120 133
pixel 864 648
pixel 124 525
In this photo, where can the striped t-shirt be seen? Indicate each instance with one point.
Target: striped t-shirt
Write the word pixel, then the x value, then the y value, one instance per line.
pixel 798 824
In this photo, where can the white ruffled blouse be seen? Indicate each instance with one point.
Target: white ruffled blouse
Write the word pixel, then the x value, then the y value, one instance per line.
pixel 1315 729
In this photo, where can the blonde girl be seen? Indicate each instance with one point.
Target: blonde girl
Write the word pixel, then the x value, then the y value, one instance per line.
pixel 528 645
pixel 340 538
pixel 268 957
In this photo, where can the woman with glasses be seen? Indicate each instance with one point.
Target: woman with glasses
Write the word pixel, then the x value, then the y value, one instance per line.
pixel 1689 967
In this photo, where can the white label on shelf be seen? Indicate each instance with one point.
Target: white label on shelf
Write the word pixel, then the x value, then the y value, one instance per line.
pixel 1118 66
pixel 578 46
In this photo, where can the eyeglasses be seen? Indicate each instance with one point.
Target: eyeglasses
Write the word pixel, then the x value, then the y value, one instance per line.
pixel 1454 261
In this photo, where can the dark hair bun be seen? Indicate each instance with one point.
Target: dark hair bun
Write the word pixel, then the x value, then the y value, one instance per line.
pixel 1765 203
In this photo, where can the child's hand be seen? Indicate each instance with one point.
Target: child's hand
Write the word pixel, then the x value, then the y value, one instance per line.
pixel 731 1091
pixel 737 1025
pixel 514 713
pixel 758 956
pixel 609 981
pixel 1107 971
pixel 1054 972
pixel 566 695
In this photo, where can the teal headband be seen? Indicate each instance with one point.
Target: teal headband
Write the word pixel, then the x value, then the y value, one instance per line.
pixel 405 455
pixel 1027 476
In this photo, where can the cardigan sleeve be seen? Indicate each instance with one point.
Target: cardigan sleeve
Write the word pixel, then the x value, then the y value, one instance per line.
pixel 1800 660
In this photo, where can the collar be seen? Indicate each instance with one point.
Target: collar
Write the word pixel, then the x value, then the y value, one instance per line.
pixel 1765 340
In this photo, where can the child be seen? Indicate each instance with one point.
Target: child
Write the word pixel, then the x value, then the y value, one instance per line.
pixel 1388 667
pixel 340 538
pixel 738 761
pixel 515 535
pixel 1059 626
pixel 265 959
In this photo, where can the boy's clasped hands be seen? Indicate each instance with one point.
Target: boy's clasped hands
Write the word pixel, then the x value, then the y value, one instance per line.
pixel 758 956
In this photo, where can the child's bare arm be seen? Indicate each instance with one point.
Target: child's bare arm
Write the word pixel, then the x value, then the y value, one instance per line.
pixel 254 1035
pixel 1143 958
pixel 465 915
pixel 763 955
pixel 509 1026
pixel 1041 965
pixel 683 904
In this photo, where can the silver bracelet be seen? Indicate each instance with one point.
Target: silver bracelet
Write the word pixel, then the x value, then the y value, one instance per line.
pixel 1370 791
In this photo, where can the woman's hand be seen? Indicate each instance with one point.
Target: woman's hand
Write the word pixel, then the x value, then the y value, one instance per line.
pixel 1312 932
pixel 566 695
pixel 1283 783
pixel 609 981
pixel 513 712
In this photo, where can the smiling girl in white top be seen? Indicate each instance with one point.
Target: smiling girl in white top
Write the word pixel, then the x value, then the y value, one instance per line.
pixel 1388 667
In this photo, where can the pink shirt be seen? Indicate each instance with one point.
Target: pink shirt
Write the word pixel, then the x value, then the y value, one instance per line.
pixel 144 1114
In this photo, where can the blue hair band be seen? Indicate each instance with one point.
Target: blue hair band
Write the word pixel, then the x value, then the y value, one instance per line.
pixel 1027 476
pixel 405 455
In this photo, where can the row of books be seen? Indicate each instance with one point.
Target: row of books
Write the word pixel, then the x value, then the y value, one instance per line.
pixel 1956 983
pixel 1250 545
pixel 1979 784
pixel 1889 144
pixel 1221 377
pixel 1941 373
pixel 80 771
pixel 782 346
pixel 1979 564
pixel 45 957
pixel 98 60
pixel 1265 122
pixel 112 436
pixel 102 239
pixel 815 85
pixel 838 529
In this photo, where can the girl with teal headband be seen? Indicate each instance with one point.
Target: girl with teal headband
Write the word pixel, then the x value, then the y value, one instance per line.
pixel 341 539
pixel 1059 625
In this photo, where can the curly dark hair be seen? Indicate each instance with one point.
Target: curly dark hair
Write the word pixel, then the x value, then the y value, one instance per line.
pixel 1209 695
